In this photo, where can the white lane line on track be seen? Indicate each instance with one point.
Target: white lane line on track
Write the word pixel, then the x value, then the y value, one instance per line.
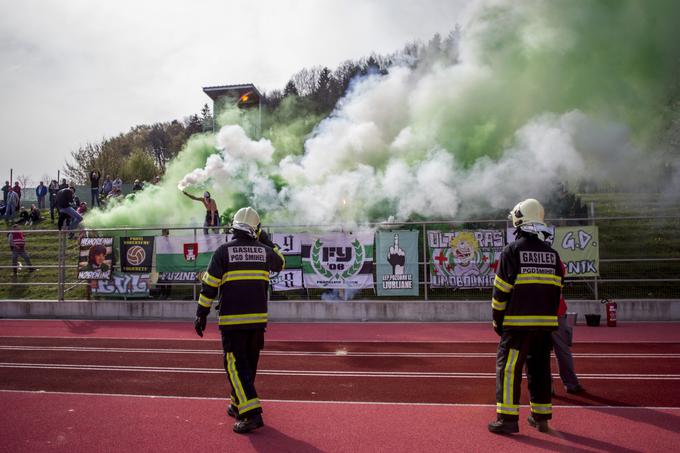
pixel 319 373
pixel 271 339
pixel 358 403
pixel 339 353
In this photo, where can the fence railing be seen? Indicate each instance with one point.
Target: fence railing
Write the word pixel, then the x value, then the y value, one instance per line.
pixel 639 258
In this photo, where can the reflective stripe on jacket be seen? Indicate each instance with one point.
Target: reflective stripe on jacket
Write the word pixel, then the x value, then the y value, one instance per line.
pixel 528 285
pixel 239 273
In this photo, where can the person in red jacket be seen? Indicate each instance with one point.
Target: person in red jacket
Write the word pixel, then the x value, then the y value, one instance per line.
pixel 17 244
pixel 562 341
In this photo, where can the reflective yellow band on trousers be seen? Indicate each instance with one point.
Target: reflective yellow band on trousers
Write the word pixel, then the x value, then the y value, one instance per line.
pixel 541 408
pixel 510 409
pixel 249 318
pixel 530 321
pixel 231 276
pixel 234 377
pixel 249 405
pixel 509 378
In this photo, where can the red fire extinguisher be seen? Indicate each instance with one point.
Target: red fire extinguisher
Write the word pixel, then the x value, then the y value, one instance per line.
pixel 610 308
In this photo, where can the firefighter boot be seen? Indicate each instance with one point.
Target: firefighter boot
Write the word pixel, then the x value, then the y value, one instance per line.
pixel 504 427
pixel 247 424
pixel 232 411
pixel 541 425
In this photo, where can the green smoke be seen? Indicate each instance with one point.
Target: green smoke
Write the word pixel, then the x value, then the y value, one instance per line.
pixel 441 131
pixel 613 59
pixel 165 205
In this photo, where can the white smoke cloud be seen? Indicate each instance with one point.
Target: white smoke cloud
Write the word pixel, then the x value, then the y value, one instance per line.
pixel 238 154
pixel 383 149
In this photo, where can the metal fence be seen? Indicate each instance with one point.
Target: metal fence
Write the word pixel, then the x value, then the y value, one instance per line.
pixel 639 258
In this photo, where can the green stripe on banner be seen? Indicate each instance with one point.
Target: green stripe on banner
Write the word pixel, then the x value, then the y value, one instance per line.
pixel 293 261
pixel 177 263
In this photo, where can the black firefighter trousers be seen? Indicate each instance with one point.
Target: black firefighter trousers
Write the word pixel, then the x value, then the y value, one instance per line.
pixel 516 348
pixel 241 354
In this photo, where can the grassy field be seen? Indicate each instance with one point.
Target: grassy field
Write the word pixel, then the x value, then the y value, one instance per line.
pixel 655 237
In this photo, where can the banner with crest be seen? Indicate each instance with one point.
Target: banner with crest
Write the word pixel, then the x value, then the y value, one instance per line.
pixel 464 259
pixel 337 260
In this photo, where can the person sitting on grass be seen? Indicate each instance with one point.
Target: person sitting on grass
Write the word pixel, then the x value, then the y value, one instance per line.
pixel 34 215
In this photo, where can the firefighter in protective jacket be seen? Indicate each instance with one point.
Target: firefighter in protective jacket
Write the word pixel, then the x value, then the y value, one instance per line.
pixel 239 272
pixel 526 297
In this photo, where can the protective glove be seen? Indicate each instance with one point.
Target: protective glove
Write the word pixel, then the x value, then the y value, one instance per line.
pixel 199 324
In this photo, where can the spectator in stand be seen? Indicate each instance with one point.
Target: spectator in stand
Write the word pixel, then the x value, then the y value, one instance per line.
pixel 12 205
pixel 34 215
pixel 5 190
pixel 63 184
pixel 40 193
pixel 76 198
pixel 562 341
pixel 115 193
pixel 157 180
pixel 107 185
pixel 212 216
pixel 17 189
pixel 64 204
pixel 17 244
pixel 24 216
pixel 95 176
pixel 82 208
pixel 118 184
pixel 53 189
pixel 137 186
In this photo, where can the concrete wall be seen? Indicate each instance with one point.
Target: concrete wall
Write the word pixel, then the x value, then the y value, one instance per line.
pixel 305 310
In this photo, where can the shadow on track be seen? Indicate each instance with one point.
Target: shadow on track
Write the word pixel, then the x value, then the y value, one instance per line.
pixel 586 443
pixel 652 417
pixel 81 327
pixel 270 439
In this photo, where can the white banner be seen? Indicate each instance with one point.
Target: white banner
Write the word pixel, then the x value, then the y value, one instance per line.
pixel 286 280
pixel 289 243
pixel 338 260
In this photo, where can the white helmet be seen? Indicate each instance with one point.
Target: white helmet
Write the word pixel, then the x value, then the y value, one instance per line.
pixel 246 220
pixel 527 212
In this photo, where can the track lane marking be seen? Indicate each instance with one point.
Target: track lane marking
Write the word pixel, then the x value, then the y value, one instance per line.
pixel 361 403
pixel 319 373
pixel 339 340
pixel 339 353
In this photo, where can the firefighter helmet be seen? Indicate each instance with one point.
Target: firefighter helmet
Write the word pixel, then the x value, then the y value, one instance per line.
pixel 247 220
pixel 527 212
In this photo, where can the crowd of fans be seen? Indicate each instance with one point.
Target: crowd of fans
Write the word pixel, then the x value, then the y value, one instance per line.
pixel 46 196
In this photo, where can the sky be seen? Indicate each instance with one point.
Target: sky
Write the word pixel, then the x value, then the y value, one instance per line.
pixel 76 71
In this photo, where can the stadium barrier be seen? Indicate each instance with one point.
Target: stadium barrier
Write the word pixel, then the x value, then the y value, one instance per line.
pixel 638 259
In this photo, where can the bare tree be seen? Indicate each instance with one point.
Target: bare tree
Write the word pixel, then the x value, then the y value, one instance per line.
pixel 23 180
pixel 306 80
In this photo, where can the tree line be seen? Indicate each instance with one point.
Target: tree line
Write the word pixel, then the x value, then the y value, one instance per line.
pixel 143 151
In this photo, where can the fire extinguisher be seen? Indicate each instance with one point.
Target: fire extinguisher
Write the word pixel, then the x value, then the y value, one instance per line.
pixel 610 308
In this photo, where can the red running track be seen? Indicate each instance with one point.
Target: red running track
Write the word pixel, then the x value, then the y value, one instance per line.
pixel 360 394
